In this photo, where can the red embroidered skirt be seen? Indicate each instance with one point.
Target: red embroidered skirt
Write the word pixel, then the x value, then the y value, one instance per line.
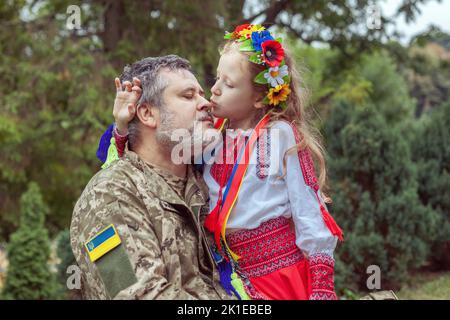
pixel 272 261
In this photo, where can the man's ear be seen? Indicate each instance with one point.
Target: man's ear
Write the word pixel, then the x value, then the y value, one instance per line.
pixel 147 115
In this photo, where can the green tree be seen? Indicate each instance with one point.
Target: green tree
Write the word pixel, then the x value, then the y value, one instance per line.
pixel 374 180
pixel 67 259
pixel 28 275
pixel 376 200
pixel 431 151
pixel 425 64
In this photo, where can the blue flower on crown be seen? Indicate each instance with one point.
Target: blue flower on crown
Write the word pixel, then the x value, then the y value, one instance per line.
pixel 259 37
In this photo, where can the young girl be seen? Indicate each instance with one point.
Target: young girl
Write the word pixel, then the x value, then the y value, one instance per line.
pixel 273 237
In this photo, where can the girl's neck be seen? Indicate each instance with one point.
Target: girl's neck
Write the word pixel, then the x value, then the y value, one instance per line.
pixel 246 123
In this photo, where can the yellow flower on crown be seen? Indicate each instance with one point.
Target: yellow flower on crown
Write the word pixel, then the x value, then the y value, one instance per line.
pixel 247 32
pixel 278 94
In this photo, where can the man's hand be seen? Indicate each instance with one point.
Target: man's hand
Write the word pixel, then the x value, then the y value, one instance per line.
pixel 127 96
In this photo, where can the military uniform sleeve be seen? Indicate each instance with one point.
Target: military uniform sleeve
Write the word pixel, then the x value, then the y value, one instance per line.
pixel 135 269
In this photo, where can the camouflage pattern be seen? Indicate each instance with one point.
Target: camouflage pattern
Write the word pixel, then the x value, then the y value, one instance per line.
pixel 164 252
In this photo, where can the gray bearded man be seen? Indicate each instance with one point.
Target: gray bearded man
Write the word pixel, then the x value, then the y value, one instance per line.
pixel 136 231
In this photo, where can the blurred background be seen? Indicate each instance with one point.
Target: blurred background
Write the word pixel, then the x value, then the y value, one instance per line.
pixel 378 73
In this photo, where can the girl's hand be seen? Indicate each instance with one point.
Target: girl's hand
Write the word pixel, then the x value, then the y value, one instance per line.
pixel 127 96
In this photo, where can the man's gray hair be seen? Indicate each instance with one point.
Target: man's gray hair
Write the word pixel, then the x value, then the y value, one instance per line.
pixel 153 84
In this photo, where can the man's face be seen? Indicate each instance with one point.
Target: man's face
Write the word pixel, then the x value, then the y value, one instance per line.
pixel 184 107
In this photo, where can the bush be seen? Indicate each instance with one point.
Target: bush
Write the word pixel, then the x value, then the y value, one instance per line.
pixel 65 254
pixel 431 151
pixel 376 198
pixel 28 275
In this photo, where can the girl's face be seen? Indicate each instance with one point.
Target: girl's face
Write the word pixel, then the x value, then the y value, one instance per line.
pixel 233 95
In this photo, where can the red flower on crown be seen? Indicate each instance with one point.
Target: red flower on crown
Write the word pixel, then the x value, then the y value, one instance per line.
pixel 272 52
pixel 238 29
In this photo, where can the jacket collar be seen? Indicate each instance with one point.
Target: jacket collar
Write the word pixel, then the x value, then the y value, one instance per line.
pixel 195 194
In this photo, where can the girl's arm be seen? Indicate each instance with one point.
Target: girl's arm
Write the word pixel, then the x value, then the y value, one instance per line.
pixel 313 235
pixel 127 97
pixel 121 141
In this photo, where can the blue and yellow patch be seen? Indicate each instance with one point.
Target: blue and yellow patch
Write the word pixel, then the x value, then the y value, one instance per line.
pixel 102 243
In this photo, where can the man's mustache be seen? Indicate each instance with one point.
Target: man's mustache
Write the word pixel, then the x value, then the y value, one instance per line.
pixel 205 116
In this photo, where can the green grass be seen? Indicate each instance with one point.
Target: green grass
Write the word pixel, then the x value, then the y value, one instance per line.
pixel 427 286
pixel 420 286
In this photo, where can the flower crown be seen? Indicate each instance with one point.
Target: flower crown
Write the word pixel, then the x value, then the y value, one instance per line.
pixel 268 52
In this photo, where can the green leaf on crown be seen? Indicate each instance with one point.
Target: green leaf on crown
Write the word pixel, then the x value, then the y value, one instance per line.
pixel 228 35
pixel 260 78
pixel 255 58
pixel 246 45
pixel 266 100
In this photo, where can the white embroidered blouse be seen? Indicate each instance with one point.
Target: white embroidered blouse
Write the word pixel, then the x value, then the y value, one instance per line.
pixel 266 194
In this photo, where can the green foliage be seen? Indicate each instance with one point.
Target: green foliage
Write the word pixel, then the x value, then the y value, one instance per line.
pixel 65 254
pixel 431 151
pixel 28 275
pixel 314 67
pixel 57 93
pixel 354 89
pixel 376 200
pixel 425 64
pixel 58 89
pixel 375 181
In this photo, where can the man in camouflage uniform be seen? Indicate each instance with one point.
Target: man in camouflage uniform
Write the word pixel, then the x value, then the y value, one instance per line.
pixel 153 204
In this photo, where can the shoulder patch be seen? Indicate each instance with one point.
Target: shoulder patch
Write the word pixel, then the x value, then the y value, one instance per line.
pixel 102 243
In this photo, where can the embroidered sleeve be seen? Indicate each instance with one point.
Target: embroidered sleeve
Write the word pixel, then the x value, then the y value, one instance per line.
pixel 313 236
pixel 120 142
pixel 321 268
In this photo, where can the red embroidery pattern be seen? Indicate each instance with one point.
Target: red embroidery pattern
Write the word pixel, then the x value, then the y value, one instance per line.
pixel 322 282
pixel 222 165
pixel 263 155
pixel 306 161
pixel 120 142
pixel 225 160
pixel 307 166
pixel 266 249
pixel 217 170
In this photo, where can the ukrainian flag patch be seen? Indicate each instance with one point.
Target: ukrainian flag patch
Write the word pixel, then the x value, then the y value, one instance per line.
pixel 102 243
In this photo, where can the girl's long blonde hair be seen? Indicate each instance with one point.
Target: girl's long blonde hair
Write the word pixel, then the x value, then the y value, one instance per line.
pixel 295 113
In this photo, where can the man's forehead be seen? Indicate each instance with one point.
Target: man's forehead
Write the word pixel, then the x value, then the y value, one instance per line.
pixel 180 79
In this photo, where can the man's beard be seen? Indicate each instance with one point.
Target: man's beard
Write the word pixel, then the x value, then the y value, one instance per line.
pixel 165 132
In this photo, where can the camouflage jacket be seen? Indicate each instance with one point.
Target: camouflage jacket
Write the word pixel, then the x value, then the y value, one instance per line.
pixel 163 252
